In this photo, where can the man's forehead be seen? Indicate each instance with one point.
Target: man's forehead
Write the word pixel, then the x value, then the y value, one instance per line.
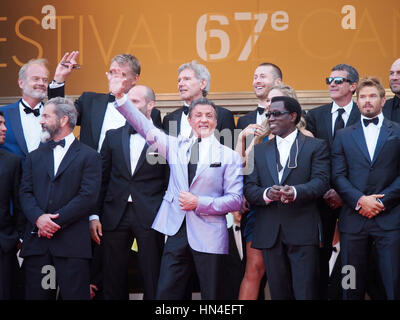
pixel 277 105
pixel 396 65
pixel 36 68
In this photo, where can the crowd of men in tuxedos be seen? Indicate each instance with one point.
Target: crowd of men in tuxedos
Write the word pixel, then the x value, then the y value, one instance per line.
pixel 72 208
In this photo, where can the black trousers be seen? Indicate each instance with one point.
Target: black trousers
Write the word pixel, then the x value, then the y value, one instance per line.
pixel 71 274
pixel 292 271
pixel 355 252
pixel 178 264
pixel 116 247
pixel 9 269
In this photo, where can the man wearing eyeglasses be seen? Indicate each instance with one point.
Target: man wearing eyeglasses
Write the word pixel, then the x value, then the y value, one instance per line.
pixel 291 171
pixel 391 110
pixel 324 122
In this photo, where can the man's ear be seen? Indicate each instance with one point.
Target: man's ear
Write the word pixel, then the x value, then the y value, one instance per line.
pixel 150 107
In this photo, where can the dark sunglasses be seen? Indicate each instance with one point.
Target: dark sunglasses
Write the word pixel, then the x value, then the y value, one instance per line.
pixel 338 80
pixel 276 114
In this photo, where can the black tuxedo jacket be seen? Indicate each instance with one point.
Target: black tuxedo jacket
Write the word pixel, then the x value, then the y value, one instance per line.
pixel 389 111
pixel 319 121
pixel 91 107
pixel 225 121
pixel 299 220
pixel 355 175
pixel 11 218
pixel 72 193
pixel 147 185
pixel 248 118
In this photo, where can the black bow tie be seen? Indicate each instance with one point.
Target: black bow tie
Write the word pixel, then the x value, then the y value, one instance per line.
pixel 237 228
pixel 111 98
pixel 368 121
pixel 52 144
pixel 28 110
pixel 260 110
pixel 334 249
pixel 186 109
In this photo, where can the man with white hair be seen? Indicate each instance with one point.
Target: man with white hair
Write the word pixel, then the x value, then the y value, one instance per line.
pixel 23 116
pixel 193 84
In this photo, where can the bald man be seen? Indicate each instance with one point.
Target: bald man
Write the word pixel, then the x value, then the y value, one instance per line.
pixel 391 109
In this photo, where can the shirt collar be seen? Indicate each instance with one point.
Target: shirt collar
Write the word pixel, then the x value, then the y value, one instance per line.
pixel 347 108
pixel 35 107
pixel 69 139
pixel 289 139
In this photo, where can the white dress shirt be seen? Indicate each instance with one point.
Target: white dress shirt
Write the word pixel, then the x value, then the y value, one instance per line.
pixel 238 240
pixel 136 145
pixel 59 152
pixel 333 258
pixel 284 145
pixel 112 120
pixel 260 117
pixel 345 116
pixel 371 134
pixel 30 126
pixel 186 129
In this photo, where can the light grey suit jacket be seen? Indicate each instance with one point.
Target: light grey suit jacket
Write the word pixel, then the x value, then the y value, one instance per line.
pixel 218 185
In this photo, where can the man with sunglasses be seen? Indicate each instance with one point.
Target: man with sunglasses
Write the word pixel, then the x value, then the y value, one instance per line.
pixel 291 171
pixel 324 122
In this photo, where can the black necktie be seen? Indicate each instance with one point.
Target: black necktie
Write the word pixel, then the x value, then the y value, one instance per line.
pixel 28 110
pixel 368 121
pixel 194 159
pixel 111 98
pixel 185 110
pixel 260 110
pixel 339 123
pixel 52 144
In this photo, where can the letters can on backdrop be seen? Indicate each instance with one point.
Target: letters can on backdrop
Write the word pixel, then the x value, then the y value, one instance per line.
pixel 305 38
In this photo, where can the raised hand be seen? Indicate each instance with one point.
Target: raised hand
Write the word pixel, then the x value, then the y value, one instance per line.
pixel 117 82
pixel 66 65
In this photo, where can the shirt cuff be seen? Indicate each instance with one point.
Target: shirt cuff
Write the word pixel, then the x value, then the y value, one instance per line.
pixel 54 84
pixel 266 199
pixel 295 193
pixel 121 101
pixel 94 217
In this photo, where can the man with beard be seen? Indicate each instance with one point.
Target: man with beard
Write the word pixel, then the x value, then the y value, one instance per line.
pixel 60 185
pixel 391 109
pixel 23 116
pixel 365 172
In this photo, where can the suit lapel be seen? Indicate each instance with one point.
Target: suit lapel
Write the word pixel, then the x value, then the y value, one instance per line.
pixel 49 160
pixel 270 154
pixel 68 158
pixel 328 124
pixel 384 133
pixel 125 136
pixel 354 115
pixel 359 138
pixel 298 145
pixel 99 107
pixel 15 120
